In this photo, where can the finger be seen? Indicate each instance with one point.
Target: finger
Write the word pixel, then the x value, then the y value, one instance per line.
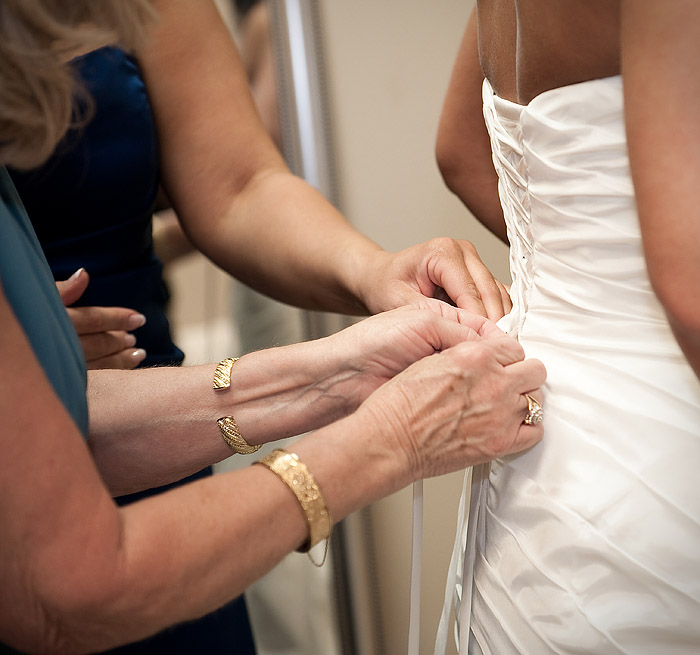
pixel 126 359
pixel 104 344
pixel 468 281
pixel 526 402
pixel 528 376
pixel 476 322
pixel 489 330
pixel 526 436
pixel 537 394
pixel 492 292
pixel 71 289
pixel 507 351
pixel 440 294
pixel 441 333
pixel 458 287
pixel 505 296
pixel 91 320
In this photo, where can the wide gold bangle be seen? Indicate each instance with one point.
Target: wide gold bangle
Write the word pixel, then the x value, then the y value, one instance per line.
pixel 293 472
pixel 227 424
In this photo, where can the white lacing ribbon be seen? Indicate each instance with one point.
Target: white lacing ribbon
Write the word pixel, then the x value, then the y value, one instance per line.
pixel 453 587
pixel 458 588
pixel 416 558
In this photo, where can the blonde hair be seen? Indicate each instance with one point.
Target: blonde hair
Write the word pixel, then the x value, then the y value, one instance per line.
pixel 37 86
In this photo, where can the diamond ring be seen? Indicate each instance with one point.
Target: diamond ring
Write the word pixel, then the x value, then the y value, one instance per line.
pixel 535 413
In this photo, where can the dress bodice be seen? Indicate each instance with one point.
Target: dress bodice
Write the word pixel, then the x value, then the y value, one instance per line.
pixel 587 542
pixel 570 209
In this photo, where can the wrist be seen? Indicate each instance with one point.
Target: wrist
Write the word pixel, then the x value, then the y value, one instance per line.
pixel 360 271
pixel 286 391
pixel 353 464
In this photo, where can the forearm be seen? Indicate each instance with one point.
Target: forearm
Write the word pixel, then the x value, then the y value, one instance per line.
pixel 170 429
pixel 83 575
pixel 228 184
pixel 283 238
pixel 230 530
pixel 253 514
pixel 240 205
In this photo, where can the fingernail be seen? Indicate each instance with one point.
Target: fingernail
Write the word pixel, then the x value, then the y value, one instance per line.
pixel 77 274
pixel 136 321
pixel 129 340
pixel 138 355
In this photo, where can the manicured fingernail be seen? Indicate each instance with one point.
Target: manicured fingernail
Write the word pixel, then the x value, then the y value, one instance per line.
pixel 77 274
pixel 129 340
pixel 136 321
pixel 138 355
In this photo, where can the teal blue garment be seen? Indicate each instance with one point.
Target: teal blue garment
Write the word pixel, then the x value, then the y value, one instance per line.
pixel 30 288
pixel 31 291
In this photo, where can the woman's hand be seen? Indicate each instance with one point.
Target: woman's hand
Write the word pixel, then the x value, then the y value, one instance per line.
pixel 459 407
pixel 377 348
pixel 103 331
pixel 442 268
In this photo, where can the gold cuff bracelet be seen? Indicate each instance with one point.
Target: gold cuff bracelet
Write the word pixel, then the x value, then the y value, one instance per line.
pixel 293 472
pixel 227 425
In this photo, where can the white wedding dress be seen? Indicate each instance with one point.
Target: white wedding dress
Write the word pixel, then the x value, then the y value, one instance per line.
pixel 589 543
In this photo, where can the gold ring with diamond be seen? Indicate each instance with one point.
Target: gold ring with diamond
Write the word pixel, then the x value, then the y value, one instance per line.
pixel 535 413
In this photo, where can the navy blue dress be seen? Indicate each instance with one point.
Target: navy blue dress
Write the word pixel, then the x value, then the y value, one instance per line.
pixel 91 205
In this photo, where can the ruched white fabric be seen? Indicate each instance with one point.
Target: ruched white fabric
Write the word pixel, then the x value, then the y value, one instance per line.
pixel 590 541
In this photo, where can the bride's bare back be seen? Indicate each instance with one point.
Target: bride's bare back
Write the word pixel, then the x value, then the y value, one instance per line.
pixel 530 46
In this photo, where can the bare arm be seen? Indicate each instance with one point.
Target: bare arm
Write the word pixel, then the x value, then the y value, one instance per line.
pixel 660 51
pixel 77 574
pixel 274 393
pixel 227 182
pixel 240 205
pixel 463 147
pixel 154 426
pixel 257 55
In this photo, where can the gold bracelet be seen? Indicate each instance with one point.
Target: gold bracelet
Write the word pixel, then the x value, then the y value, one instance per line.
pixel 293 472
pixel 222 374
pixel 227 424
